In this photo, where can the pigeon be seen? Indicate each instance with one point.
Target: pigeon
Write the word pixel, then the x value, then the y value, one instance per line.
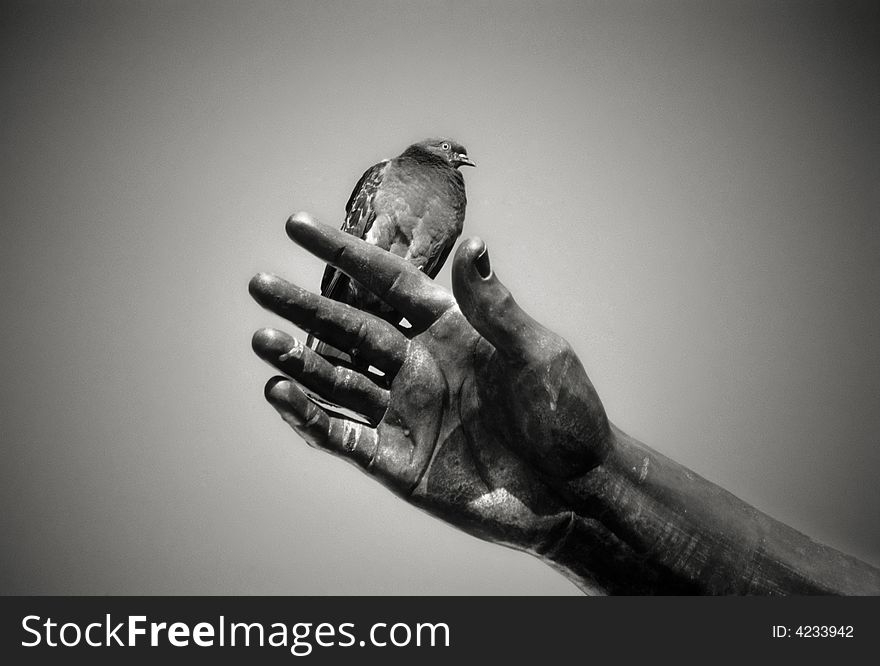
pixel 412 205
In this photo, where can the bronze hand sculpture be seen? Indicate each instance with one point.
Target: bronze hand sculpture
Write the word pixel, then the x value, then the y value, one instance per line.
pixel 487 420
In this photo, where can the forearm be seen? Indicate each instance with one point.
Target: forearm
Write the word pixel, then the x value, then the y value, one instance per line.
pixel 666 530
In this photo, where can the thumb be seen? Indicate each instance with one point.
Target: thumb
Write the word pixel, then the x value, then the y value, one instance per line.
pixel 489 306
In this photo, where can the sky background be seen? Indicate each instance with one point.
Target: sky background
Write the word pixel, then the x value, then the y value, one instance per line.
pixel 686 191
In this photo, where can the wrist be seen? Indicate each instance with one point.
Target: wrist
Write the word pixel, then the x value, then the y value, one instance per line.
pixel 617 513
pixel 592 557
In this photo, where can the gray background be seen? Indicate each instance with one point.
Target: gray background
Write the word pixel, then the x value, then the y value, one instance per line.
pixel 687 191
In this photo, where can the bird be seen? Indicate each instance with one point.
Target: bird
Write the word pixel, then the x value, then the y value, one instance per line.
pixel 412 205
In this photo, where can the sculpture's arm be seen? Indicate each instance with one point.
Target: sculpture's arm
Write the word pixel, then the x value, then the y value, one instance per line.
pixel 676 532
pixel 487 420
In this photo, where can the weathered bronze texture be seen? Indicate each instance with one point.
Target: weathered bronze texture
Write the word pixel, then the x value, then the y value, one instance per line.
pixel 486 419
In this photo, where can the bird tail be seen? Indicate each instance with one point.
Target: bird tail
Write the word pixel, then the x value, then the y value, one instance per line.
pixel 327 351
pixel 337 358
pixel 333 286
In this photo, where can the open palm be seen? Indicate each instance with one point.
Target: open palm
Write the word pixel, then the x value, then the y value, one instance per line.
pixel 481 412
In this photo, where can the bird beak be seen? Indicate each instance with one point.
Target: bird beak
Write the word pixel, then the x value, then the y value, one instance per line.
pixel 463 160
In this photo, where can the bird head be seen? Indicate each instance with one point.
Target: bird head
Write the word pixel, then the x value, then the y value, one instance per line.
pixel 451 152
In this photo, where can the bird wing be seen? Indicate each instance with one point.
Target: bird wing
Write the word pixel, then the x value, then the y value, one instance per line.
pixel 436 263
pixel 360 214
pixel 359 217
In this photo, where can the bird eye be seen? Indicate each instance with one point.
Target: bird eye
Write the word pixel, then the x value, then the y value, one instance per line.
pixel 444 146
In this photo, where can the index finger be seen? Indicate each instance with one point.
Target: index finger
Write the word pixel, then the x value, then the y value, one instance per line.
pixel 393 279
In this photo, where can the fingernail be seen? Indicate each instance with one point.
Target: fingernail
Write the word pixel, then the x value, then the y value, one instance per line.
pixel 484 268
